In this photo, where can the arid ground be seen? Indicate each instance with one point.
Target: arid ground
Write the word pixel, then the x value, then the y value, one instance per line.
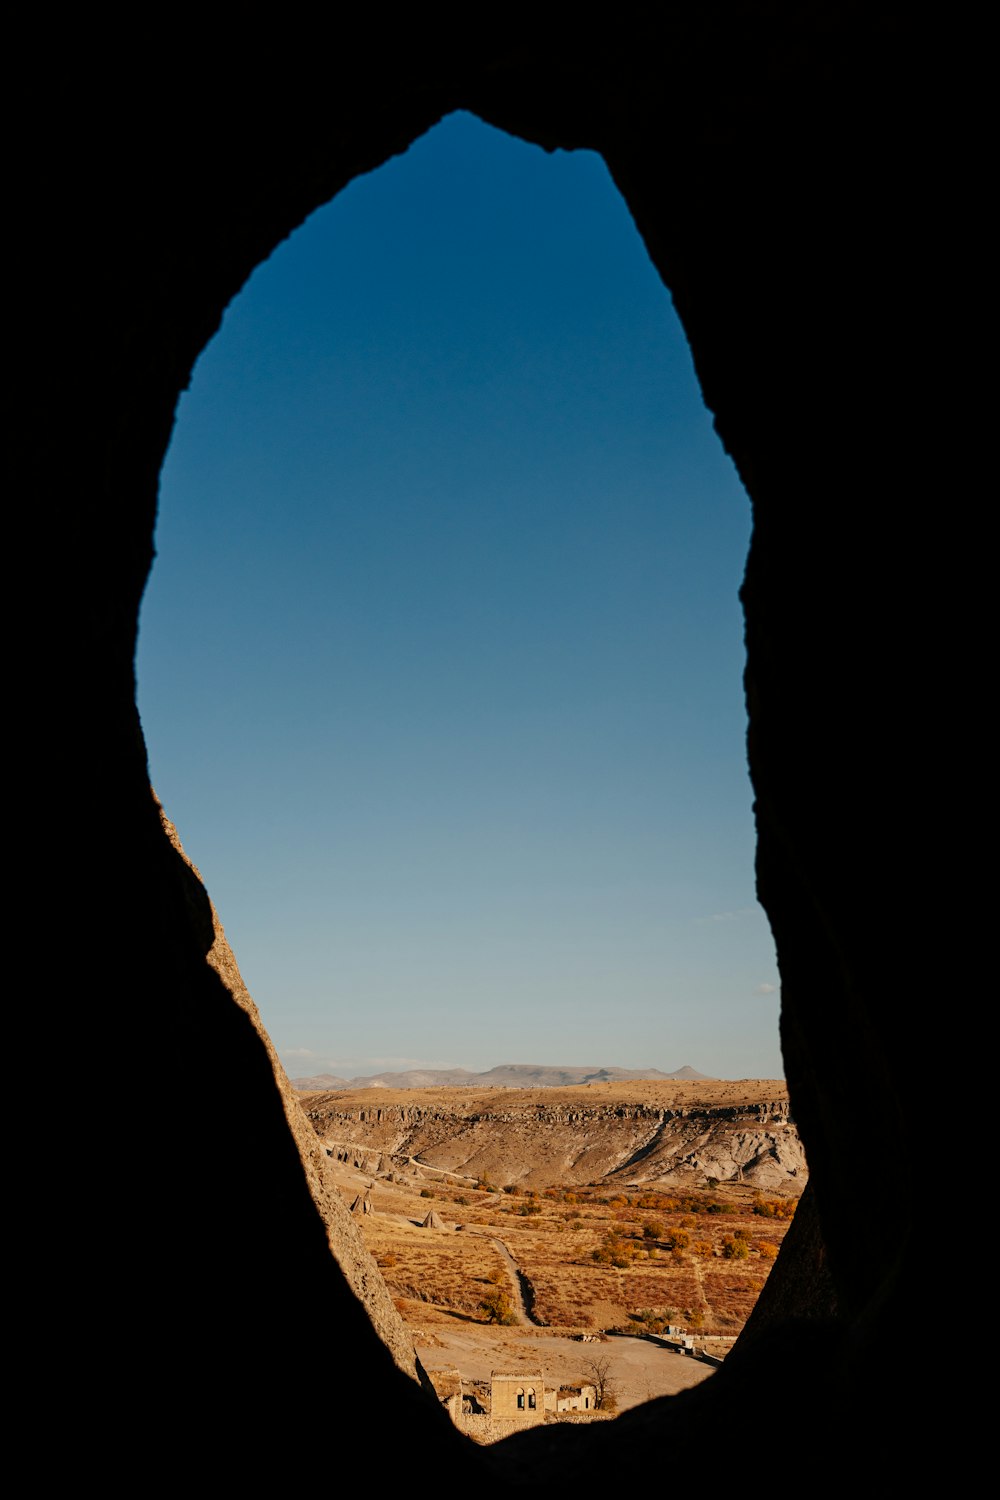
pixel 639 1370
pixel 559 1276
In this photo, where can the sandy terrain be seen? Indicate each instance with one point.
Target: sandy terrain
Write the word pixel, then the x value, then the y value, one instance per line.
pixel 639 1369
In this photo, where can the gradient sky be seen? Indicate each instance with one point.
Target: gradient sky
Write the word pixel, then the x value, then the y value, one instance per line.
pixel 440 663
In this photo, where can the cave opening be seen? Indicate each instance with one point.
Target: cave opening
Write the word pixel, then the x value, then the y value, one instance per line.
pixel 781 170
pixel 440 661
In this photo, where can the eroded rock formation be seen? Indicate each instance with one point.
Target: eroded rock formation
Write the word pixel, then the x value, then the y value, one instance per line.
pixel 521 1141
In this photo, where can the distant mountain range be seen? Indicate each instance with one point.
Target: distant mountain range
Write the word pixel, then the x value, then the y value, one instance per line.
pixel 506 1076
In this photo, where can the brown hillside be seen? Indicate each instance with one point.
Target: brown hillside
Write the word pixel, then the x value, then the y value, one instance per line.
pixel 675 1133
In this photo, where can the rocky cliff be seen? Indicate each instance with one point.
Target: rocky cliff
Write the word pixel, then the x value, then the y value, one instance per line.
pixel 584 1136
pixel 346 1244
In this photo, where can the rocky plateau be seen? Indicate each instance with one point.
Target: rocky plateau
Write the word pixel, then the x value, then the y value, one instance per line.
pixel 681 1134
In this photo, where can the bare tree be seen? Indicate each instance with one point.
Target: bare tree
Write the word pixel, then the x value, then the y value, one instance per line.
pixel 605 1397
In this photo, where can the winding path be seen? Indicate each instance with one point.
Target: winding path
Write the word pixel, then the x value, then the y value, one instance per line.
pixel 520 1282
pixel 524 1292
pixel 425 1166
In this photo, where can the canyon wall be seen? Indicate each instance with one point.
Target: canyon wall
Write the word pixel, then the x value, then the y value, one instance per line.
pixel 535 1144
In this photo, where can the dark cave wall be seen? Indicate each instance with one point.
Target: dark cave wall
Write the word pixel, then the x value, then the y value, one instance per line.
pixel 774 160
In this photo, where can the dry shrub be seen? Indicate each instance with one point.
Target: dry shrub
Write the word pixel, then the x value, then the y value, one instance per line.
pixel 730 1296
pixel 570 1288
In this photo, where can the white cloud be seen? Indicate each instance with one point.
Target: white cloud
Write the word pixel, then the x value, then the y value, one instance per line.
pixel 765 989
pixel 298 1052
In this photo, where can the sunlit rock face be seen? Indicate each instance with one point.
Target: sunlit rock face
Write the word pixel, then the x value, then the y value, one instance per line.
pixel 773 162
pixel 519 1140
pixel 346 1243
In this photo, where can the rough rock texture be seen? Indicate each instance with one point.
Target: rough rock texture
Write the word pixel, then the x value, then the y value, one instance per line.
pixel 345 1240
pixel 516 1139
pixel 805 1289
pixel 792 172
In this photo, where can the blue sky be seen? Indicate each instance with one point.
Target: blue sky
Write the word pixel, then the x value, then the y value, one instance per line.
pixel 440 663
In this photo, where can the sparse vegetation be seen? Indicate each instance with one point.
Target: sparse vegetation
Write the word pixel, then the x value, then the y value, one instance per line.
pixel 638 1258
pixel 614 1250
pixel 654 1320
pixel 775 1208
pixel 607 1273
pixel 497 1307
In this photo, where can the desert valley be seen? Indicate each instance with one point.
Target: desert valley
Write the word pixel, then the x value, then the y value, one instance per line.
pixel 613 1235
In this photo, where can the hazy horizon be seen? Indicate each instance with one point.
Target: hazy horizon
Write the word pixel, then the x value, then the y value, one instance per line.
pixel 440 663
pixel 502 1067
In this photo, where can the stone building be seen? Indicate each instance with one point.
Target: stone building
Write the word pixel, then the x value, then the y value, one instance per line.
pixel 576 1398
pixel 518 1397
